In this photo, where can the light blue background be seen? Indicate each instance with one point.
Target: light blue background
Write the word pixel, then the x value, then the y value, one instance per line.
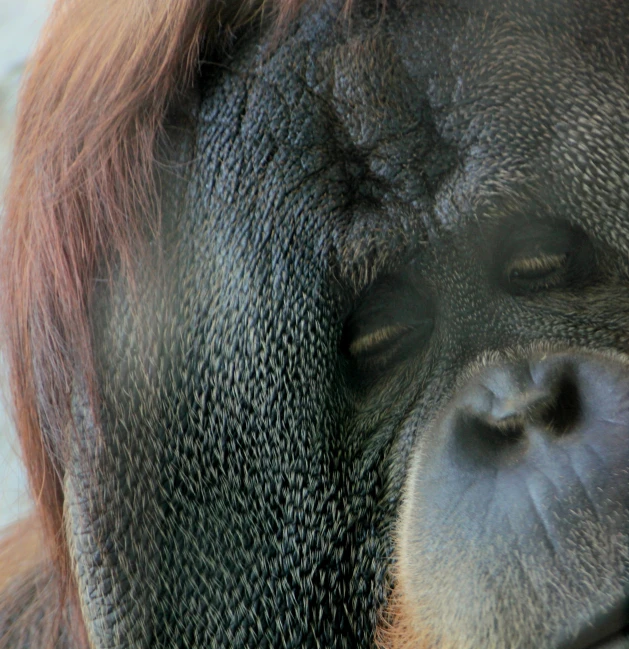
pixel 20 22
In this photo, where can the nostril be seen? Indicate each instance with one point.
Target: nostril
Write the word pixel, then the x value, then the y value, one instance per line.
pixel 476 441
pixel 562 413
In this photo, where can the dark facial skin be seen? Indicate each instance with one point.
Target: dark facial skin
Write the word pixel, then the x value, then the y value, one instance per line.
pixel 383 344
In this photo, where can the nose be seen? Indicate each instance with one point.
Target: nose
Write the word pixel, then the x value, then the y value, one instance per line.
pixel 523 477
pixel 554 427
pixel 508 403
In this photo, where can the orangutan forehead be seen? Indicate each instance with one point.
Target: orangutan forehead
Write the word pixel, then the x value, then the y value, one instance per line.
pixel 415 118
pixel 443 116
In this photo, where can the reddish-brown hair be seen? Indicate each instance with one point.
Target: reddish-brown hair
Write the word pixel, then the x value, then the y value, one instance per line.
pixel 82 194
pixel 395 628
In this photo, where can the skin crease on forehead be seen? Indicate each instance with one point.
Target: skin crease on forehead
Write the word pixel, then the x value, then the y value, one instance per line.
pixel 260 492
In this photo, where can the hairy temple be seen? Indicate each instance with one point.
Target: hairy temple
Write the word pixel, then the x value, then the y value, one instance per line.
pixel 318 322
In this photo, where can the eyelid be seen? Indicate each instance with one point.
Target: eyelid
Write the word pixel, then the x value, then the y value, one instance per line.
pixel 536 264
pixel 369 341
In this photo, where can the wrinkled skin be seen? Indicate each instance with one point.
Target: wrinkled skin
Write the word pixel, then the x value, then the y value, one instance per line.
pixel 270 466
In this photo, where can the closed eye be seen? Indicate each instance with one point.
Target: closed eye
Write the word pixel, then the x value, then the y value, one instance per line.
pixel 392 321
pixel 535 268
pixel 537 257
pixel 375 340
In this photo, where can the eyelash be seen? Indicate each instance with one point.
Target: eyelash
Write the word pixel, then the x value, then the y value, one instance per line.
pixel 537 273
pixel 370 342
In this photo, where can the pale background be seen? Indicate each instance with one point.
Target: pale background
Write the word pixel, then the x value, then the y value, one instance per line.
pixel 20 22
